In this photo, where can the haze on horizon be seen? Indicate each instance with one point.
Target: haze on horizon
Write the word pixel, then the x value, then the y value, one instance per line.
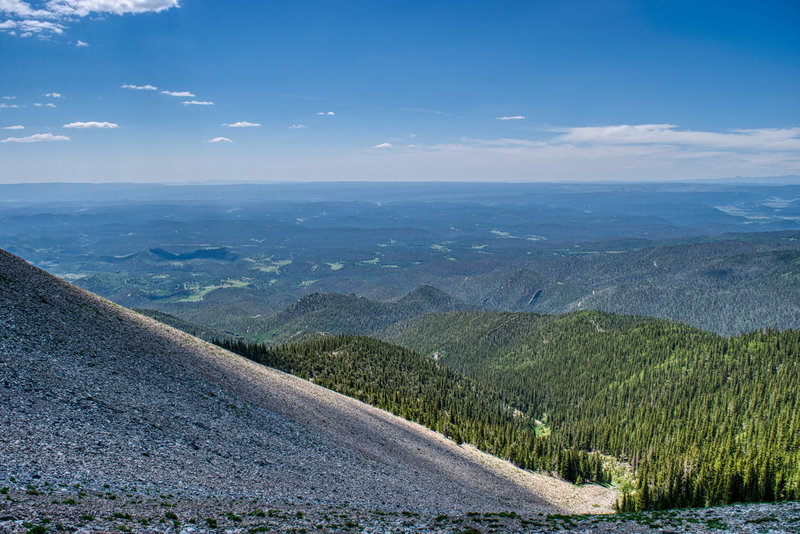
pixel 193 91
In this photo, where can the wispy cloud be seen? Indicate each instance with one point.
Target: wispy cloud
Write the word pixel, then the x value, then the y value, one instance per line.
pixel 81 44
pixel 220 140
pixel 3 105
pixel 22 9
pixel 669 134
pixel 617 152
pixel 82 8
pixel 423 110
pixel 197 103
pixel 46 105
pixel 511 118
pixel 242 124
pixel 147 87
pixel 326 113
pixel 90 124
pixel 9 97
pixel 53 95
pixel 383 145
pixel 15 127
pixel 35 138
pixel 53 16
pixel 184 94
pixel 28 27
pixel 297 126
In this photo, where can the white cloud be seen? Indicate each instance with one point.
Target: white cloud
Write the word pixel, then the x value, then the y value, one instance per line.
pixel 620 152
pixel 242 124
pixel 511 118
pixel 326 113
pixel 81 8
pixel 19 8
pixel 297 126
pixel 81 44
pixel 53 15
pixel 15 127
pixel 3 105
pixel 47 105
pixel 178 93
pixel 35 138
pixel 25 20
pixel 91 124
pixel 30 26
pixel 669 134
pixel 383 145
pixel 197 103
pixel 147 87
pixel 220 140
pixel 9 97
pixel 53 95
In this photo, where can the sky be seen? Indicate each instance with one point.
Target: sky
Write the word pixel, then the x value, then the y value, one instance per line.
pixel 529 90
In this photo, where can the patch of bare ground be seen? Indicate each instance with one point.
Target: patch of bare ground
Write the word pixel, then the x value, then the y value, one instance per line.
pixel 96 400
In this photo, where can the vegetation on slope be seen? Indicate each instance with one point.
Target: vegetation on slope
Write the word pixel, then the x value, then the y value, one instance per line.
pixel 703 419
pixel 332 313
pixel 417 388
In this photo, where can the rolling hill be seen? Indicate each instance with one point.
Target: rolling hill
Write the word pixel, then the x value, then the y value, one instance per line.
pixel 332 313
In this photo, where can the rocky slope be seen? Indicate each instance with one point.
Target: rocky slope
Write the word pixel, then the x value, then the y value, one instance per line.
pixel 96 399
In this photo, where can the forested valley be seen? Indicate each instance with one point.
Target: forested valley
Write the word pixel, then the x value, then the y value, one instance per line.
pixel 701 419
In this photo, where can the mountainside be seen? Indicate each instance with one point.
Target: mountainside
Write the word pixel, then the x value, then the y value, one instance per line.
pixel 417 388
pixel 729 287
pixel 704 419
pixel 427 299
pixel 97 397
pixel 518 290
pixel 332 313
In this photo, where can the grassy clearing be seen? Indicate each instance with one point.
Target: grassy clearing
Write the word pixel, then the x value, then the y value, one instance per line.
pixel 542 428
pixel 267 265
pixel 198 293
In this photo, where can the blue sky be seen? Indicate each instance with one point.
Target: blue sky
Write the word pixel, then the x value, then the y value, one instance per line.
pixel 196 90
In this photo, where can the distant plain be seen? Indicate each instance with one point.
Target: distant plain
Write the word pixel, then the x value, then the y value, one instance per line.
pixel 723 256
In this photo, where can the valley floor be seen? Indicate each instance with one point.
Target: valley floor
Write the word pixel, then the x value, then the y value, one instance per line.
pixel 70 510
